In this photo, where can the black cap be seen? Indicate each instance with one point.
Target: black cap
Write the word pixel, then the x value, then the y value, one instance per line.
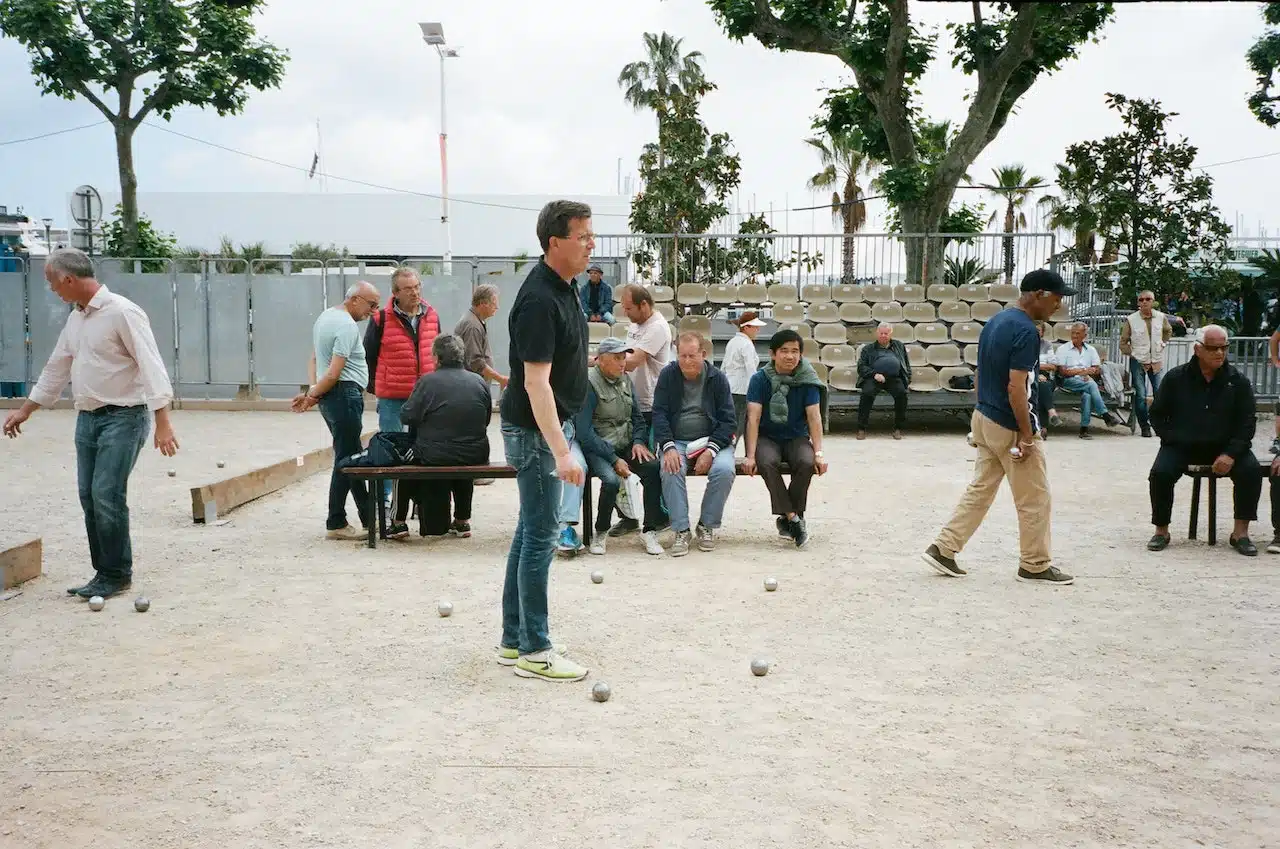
pixel 1044 280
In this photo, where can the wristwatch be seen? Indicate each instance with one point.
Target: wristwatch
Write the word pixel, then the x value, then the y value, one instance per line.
pixel 818 454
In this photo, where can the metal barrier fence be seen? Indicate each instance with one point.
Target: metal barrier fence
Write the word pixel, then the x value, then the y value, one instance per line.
pixel 1250 354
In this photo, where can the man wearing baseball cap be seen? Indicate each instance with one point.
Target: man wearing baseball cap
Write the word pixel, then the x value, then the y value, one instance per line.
pixel 597 296
pixel 1005 426
pixel 614 440
pixel 741 361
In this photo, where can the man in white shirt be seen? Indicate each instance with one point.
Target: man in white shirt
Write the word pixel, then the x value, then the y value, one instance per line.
pixel 1081 368
pixel 1143 338
pixel 108 353
pixel 741 361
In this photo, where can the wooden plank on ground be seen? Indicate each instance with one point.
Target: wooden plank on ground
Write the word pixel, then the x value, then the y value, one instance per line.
pixel 21 563
pixel 210 501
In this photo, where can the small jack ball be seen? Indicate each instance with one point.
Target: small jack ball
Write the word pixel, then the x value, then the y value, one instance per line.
pixel 601 692
pixel 173 473
pixel 142 604
pixel 97 603
pixel 597 577
pixel 759 667
pixel 221 465
pixel 445 608
pixel 770 584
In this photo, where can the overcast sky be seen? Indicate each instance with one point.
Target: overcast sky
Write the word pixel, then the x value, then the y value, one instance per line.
pixel 534 105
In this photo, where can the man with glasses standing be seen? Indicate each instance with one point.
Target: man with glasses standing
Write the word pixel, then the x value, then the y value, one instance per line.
pixel 1143 338
pixel 1205 413
pixel 338 357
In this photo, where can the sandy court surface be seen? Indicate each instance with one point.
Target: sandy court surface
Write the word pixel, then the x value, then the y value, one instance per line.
pixel 286 691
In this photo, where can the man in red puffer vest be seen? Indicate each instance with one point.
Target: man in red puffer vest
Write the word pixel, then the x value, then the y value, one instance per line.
pixel 397 347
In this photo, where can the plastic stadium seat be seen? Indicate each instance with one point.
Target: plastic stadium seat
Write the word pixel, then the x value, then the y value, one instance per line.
pixel 696 324
pixel 815 293
pixel 890 311
pixel 801 327
pixel 904 332
pixel 945 375
pixel 847 293
pixel 860 334
pixel 932 334
pixel 662 294
pixel 924 379
pixel 985 310
pixel 941 293
pixel 753 294
pixel 722 293
pixel 812 350
pixel 877 293
pixel 916 356
pixel 824 313
pixel 691 294
pixel 665 310
pixel 821 370
pixel 943 355
pixel 838 355
pixel 788 312
pixel 974 292
pixel 1061 332
pixel 954 311
pixel 1063 313
pixel 966 332
pixel 971 355
pixel 831 334
pixel 781 293
pixel 919 313
pixel 620 330
pixel 844 378
pixel 1004 292
pixel 597 330
pixel 855 313
pixel 909 293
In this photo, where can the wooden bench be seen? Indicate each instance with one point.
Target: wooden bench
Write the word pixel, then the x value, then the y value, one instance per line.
pixel 376 475
pixel 1197 474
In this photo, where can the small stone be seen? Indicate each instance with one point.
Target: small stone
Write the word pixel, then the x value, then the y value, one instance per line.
pixel 601 692
pixel 597 577
pixel 97 603
pixel 445 608
pixel 770 584
pixel 173 473
pixel 759 667
pixel 141 604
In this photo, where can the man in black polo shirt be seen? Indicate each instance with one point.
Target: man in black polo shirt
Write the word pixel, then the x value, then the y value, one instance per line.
pixel 548 386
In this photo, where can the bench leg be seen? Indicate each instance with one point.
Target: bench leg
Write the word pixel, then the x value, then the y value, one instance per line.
pixel 1195 508
pixel 588 526
pixel 1213 511
pixel 375 511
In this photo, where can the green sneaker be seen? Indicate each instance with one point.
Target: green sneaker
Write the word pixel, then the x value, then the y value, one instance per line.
pixel 508 657
pixel 550 666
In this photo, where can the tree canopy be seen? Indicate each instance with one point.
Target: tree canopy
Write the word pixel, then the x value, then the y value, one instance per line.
pixel 1264 58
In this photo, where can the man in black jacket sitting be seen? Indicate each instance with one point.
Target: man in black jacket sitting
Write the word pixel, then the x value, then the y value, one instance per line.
pixel 1205 414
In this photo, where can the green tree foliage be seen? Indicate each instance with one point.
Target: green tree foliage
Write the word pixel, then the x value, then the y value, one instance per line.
pixel 1152 206
pixel 1013 188
pixel 149 242
pixel 1264 58
pixel 1006 47
pixel 1074 209
pixel 132 58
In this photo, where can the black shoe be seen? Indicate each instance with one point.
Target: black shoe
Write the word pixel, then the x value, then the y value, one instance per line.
pixel 1052 575
pixel 105 587
pixel 398 530
pixel 1110 418
pixel 1146 431
pixel 76 590
pixel 1084 433
pixel 1159 542
pixel 622 527
pixel 799 532
pixel 1244 545
pixel 461 528
pixel 945 565
pixel 784 527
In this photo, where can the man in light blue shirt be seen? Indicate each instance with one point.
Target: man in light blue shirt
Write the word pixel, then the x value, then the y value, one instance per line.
pixel 338 356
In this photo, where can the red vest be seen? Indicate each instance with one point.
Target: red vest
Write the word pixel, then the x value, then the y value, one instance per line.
pixel 399 365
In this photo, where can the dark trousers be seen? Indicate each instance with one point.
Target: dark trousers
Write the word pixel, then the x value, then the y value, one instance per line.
pixel 1044 400
pixel 343 410
pixel 740 413
pixel 439 503
pixel 1275 507
pixel 1171 463
pixel 870 389
pixel 798 453
pixel 108 441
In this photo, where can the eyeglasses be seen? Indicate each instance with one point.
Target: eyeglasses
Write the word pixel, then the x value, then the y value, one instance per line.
pixel 1140 300
pixel 1214 349
pixel 584 239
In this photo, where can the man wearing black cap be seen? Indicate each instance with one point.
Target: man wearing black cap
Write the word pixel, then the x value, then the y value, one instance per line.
pixel 1005 425
pixel 597 297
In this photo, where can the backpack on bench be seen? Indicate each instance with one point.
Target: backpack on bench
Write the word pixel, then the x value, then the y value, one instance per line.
pixel 385 449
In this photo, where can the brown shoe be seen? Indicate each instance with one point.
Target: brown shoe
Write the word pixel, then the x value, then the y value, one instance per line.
pixel 862 434
pixel 897 434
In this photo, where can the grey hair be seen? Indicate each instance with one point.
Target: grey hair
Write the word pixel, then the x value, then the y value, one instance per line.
pixel 1210 328
pixel 70 262
pixel 1076 324
pixel 448 351
pixel 483 294
pixel 403 271
pixel 884 324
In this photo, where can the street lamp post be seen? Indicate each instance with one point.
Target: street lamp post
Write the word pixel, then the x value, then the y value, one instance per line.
pixel 433 34
pixel 48 229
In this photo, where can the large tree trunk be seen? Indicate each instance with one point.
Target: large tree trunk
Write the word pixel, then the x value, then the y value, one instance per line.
pixel 1006 245
pixel 924 248
pixel 128 186
pixel 849 244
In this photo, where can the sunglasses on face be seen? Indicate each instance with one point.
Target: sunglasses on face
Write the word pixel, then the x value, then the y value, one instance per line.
pixel 1214 349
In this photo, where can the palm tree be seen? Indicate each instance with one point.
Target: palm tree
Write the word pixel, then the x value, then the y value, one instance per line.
pixel 1076 211
pixel 842 160
pixel 649 83
pixel 1014 187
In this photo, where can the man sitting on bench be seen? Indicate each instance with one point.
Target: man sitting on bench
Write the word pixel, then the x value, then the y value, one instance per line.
pixel 615 443
pixel 784 422
pixel 448 415
pixel 1080 368
pixel 1205 414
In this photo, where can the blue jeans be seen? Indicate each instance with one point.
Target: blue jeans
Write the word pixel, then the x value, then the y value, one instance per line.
pixel 570 494
pixel 719 483
pixel 533 545
pixel 1138 377
pixel 108 441
pixel 389 422
pixel 343 410
pixel 1091 402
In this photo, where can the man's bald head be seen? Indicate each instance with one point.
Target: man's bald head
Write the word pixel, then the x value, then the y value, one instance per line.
pixel 362 299
pixel 1211 347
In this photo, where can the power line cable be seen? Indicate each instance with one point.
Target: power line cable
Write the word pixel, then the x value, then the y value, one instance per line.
pixel 52 134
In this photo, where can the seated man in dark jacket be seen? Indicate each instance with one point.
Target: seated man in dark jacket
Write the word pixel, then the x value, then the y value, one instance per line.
pixel 883 367
pixel 1205 414
pixel 448 415
pixel 693 414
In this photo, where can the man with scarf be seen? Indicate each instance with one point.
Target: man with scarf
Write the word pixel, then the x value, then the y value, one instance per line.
pixel 784 422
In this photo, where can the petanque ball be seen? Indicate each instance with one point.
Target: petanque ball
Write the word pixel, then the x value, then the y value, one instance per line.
pixel 97 603
pixel 445 608
pixel 221 465
pixel 770 583
pixel 759 667
pixel 142 604
pixel 597 577
pixel 172 473
pixel 601 692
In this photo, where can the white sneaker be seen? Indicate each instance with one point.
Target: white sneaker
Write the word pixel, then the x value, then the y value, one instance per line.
pixel 597 544
pixel 346 533
pixel 550 666
pixel 651 544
